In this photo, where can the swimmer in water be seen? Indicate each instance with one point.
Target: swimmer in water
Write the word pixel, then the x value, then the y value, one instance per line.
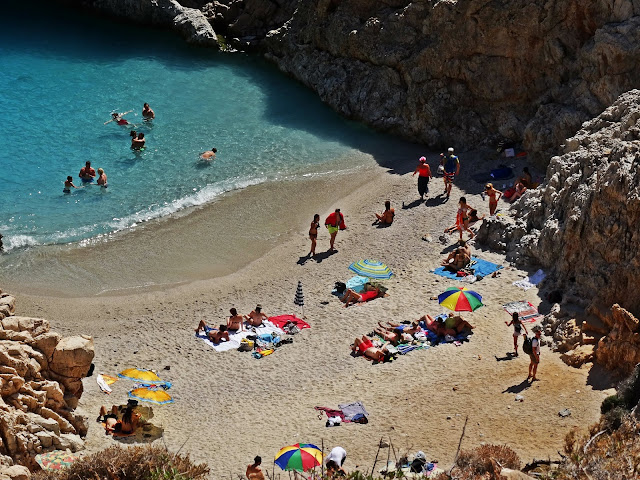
pixel 102 178
pixel 209 155
pixel 137 142
pixel 87 174
pixel 68 184
pixel 147 112
pixel 117 117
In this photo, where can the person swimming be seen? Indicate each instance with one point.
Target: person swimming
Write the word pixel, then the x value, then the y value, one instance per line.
pixel 209 155
pixel 68 185
pixel 137 142
pixel 117 117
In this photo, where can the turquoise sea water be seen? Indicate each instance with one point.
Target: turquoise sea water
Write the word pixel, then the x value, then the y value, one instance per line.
pixel 63 74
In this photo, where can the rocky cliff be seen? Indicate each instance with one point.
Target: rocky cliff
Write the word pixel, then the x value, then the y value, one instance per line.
pixel 40 384
pixel 468 71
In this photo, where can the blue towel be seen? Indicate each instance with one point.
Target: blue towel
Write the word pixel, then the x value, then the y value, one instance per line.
pixel 481 268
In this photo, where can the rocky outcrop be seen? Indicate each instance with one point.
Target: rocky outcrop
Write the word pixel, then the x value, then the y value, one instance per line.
pixel 582 224
pixel 620 348
pixel 40 382
pixel 190 23
pixel 466 71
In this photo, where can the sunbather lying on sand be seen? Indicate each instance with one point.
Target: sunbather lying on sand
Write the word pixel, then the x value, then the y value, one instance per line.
pixel 453 325
pixel 349 297
pixel 216 335
pixel 364 346
pixel 404 328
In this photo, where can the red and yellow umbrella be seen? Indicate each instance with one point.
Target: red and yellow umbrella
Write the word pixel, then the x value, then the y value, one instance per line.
pixel 300 457
pixel 460 299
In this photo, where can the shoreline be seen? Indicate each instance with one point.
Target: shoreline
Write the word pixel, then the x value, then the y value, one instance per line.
pixel 231 399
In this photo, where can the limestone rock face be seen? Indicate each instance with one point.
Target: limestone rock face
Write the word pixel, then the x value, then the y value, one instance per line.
pixel 620 349
pixel 72 356
pixel 581 225
pixel 190 23
pixel 459 71
pixel 40 374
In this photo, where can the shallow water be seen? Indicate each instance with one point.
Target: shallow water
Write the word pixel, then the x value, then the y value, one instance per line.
pixel 62 76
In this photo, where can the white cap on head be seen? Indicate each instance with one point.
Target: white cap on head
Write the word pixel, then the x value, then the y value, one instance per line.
pixel 450 150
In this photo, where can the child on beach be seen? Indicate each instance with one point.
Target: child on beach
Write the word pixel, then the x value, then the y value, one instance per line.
pixel 313 234
pixel 462 217
pixel 494 195
pixel 68 184
pixel 517 330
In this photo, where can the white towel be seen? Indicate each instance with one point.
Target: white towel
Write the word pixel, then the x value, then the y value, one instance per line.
pixel 531 281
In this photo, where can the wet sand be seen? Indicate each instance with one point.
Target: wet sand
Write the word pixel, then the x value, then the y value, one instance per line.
pixel 230 407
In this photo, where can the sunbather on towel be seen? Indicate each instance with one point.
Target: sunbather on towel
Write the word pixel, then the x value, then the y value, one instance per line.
pixel 393 335
pixel 457 324
pixel 349 297
pixel 216 335
pixel 457 260
pixel 256 317
pixel 235 321
pixel 364 346
pixel 400 327
pixel 436 326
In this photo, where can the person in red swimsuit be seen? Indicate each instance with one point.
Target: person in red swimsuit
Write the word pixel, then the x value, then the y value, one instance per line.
pixel 364 346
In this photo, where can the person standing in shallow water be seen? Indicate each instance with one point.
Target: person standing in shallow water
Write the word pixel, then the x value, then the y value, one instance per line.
pixel 87 174
pixel 334 222
pixel 313 234
pixel 147 112
pixel 424 175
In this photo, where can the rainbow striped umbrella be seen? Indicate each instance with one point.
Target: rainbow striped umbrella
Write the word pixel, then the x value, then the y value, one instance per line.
pixel 371 269
pixel 460 299
pixel 300 457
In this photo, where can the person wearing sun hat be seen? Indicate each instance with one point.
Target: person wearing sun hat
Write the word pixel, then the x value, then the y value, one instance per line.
pixel 424 175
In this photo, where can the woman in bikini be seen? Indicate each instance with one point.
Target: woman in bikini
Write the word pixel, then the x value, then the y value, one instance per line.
pixel 494 195
pixel 462 217
pixel 235 321
pixel 313 234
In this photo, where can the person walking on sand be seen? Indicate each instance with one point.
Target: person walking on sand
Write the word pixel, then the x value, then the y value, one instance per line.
pixel 254 472
pixel 424 175
pixel 334 222
pixel 147 112
pixel 462 217
pixel 494 195
pixel 517 330
pixel 87 174
pixel 535 354
pixel 451 165
pixel 313 234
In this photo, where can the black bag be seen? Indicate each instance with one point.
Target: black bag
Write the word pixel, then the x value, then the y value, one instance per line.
pixel 527 346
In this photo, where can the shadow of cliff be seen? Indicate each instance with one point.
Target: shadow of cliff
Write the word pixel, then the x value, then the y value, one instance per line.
pixel 83 37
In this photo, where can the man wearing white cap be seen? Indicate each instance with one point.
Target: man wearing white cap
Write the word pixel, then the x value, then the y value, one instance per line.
pixel 451 166
pixel 424 174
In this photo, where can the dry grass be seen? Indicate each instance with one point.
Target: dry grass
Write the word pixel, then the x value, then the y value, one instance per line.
pixel 483 462
pixel 132 463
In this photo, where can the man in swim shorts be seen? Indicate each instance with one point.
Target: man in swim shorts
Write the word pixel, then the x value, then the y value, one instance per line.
pixel 451 166
pixel 87 174
pixel 334 222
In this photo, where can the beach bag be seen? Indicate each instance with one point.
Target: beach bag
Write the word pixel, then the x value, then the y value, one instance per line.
pixel 527 346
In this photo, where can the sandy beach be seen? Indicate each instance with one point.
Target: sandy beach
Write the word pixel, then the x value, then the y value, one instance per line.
pixel 230 407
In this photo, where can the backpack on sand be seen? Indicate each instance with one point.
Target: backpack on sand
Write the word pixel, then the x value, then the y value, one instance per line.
pixel 527 346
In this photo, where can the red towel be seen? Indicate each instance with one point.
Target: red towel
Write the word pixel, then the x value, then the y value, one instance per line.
pixel 281 320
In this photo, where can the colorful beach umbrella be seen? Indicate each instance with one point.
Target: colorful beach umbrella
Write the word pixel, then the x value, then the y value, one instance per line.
pixel 142 376
pixel 300 457
pixel 371 269
pixel 55 460
pixel 460 299
pixel 157 396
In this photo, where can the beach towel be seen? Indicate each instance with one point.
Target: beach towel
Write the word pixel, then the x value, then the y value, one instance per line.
pixel 478 267
pixel 526 311
pixel 331 412
pixel 502 173
pixel 531 280
pixel 235 338
pixel 281 320
pixel 104 381
pixel 350 410
pixel 354 283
